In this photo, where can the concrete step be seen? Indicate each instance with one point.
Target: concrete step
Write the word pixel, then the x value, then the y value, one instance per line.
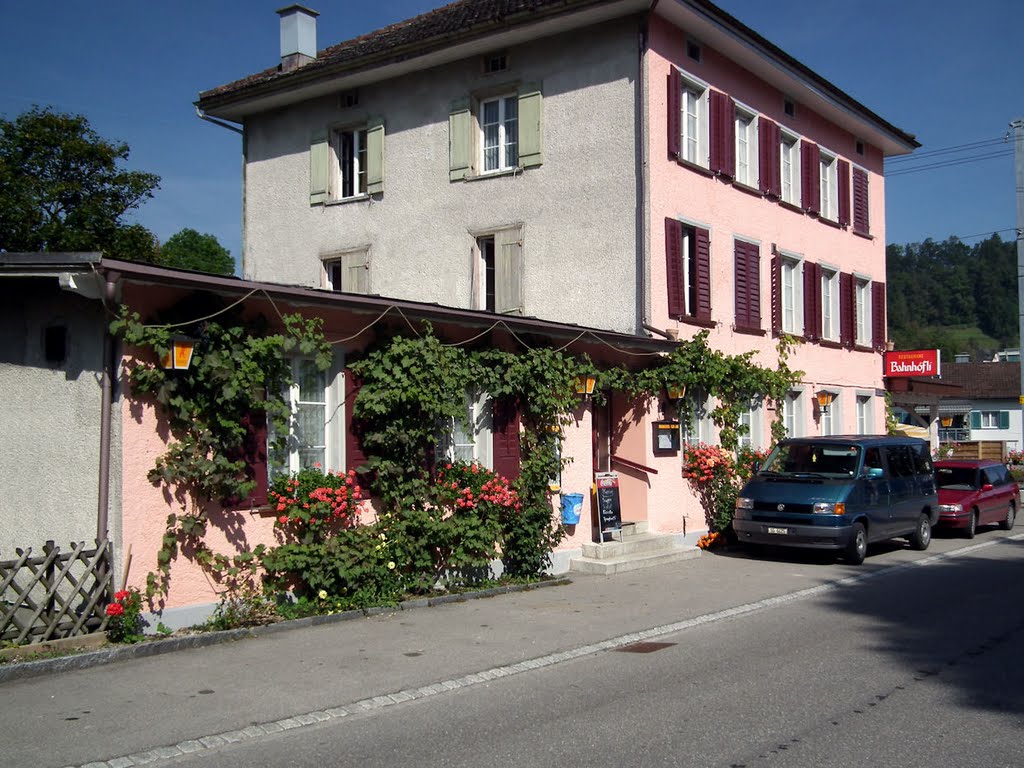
pixel 632 529
pixel 636 544
pixel 626 563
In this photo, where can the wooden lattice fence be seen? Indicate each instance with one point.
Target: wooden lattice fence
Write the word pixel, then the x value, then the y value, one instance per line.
pixel 55 595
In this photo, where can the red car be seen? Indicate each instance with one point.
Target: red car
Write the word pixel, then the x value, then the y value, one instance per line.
pixel 975 492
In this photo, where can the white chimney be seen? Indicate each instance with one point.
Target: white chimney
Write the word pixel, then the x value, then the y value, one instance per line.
pixel 298 36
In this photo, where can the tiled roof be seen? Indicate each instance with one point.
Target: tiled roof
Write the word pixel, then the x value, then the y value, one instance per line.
pixel 984 381
pixel 463 18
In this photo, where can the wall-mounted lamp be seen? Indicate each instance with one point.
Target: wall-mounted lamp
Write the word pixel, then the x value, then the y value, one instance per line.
pixel 179 356
pixel 676 391
pixel 585 384
pixel 824 398
pixel 946 421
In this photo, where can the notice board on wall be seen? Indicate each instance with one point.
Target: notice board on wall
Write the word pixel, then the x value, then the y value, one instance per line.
pixel 609 511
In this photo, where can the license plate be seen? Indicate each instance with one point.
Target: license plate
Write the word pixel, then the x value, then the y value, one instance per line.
pixel 782 531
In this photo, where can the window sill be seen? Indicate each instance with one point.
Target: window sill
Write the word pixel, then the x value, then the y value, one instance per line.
pixel 862 348
pixel 698 322
pixel 494 174
pixel 752 191
pixel 791 206
pixel 830 344
pixel 346 200
pixel 749 331
pixel 702 170
pixel 830 222
pixel 865 235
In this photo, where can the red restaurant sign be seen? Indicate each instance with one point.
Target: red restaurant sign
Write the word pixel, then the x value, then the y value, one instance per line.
pixel 913 362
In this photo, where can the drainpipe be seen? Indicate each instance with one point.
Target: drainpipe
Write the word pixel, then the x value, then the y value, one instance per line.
pixel 106 389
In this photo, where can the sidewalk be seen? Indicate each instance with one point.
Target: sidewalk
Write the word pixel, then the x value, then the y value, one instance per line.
pixel 83 715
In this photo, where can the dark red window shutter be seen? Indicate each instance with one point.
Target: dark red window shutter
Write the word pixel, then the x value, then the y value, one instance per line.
pixel 770 171
pixel 861 225
pixel 723 133
pixel 847 309
pixel 674 268
pixel 776 294
pixel 354 456
pixel 254 454
pixel 747 286
pixel 812 301
pixel 675 126
pixel 702 267
pixel 810 176
pixel 843 182
pixel 506 449
pixel 878 315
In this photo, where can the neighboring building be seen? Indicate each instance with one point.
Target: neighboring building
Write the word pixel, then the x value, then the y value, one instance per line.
pixel 987 407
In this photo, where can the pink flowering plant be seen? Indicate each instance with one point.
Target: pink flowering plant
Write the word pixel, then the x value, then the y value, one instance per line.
pixel 717 476
pixel 311 504
pixel 124 617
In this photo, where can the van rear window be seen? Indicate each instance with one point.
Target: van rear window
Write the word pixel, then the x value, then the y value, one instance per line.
pixel 813 460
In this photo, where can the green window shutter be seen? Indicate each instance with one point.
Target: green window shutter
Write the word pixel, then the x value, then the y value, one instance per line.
pixel 319 160
pixel 975 419
pixel 530 126
pixel 508 269
pixel 460 144
pixel 1004 419
pixel 355 272
pixel 375 156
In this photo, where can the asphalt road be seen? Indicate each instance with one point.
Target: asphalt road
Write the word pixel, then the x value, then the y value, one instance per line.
pixel 909 660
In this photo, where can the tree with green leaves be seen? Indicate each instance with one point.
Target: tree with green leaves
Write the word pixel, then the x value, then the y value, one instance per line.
pixel 63 187
pixel 189 249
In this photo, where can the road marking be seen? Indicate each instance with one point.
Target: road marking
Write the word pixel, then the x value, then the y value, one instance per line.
pixel 307 719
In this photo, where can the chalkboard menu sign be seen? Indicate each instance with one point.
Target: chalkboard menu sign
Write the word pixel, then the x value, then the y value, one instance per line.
pixel 609 514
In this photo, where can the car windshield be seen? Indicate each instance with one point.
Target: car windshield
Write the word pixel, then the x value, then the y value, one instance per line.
pixel 813 459
pixel 956 478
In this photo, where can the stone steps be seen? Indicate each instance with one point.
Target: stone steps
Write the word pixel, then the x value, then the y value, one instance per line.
pixel 631 549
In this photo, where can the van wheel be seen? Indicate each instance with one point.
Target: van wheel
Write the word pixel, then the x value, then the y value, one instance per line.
pixel 972 525
pixel 857 548
pixel 922 535
pixel 1011 514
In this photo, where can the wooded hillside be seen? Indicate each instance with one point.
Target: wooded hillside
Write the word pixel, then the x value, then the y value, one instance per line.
pixel 953 296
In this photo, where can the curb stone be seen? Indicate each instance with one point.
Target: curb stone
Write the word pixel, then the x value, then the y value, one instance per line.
pixel 27 669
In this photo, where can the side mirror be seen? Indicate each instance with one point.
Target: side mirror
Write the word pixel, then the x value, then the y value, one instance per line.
pixel 874 472
pixel 987 487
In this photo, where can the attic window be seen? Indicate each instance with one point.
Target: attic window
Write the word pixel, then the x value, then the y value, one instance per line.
pixel 789 107
pixel 350 98
pixel 693 50
pixel 860 147
pixel 495 63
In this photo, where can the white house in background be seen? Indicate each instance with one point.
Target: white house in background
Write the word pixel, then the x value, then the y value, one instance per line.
pixel 987 407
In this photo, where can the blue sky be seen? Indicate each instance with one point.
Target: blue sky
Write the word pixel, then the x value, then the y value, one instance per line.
pixel 948 71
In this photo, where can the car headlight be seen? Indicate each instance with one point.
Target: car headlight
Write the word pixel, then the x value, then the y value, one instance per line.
pixel 951 507
pixel 828 508
pixel 742 502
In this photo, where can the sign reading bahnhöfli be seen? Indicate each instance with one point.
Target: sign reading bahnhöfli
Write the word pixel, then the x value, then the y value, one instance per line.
pixel 913 362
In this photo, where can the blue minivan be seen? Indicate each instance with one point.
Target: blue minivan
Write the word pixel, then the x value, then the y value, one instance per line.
pixel 840 493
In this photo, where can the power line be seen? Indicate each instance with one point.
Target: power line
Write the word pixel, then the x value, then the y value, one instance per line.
pixel 948 163
pixel 945 150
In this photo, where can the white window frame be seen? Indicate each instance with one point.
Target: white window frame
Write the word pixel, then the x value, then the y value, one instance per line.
pixel 830 318
pixel 356 170
pixel 989 419
pixel 865 414
pixel 789 159
pixel 693 121
pixel 701 427
pixel 505 126
pixel 862 302
pixel 291 460
pixel 746 146
pixel 472 438
pixel 689 254
pixel 334 272
pixel 792 413
pixel 829 186
pixel 792 298
pixel 752 419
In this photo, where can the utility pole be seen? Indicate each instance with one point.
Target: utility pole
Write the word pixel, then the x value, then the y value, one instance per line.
pixel 1018 162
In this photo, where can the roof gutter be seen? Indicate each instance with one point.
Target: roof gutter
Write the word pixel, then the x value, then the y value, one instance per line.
pixel 216 121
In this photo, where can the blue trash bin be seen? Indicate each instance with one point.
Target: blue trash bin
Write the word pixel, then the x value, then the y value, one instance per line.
pixel 572 505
